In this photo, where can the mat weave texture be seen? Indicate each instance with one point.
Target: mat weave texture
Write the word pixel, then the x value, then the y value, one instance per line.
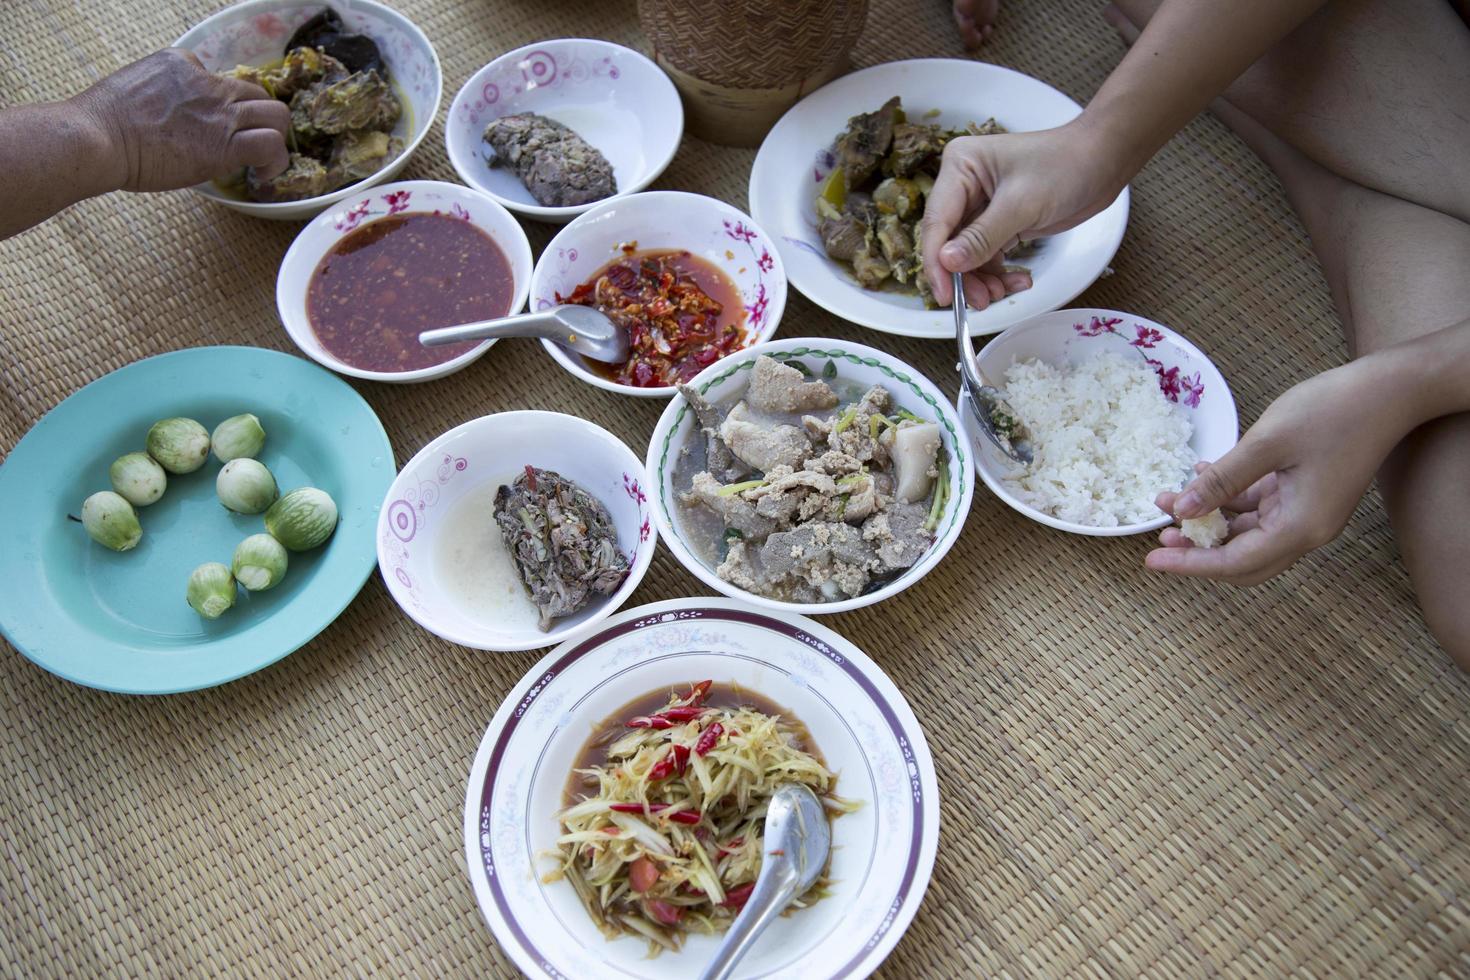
pixel 1139 775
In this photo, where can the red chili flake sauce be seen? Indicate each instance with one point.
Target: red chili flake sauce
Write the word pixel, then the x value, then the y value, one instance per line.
pixel 392 278
pixel 681 312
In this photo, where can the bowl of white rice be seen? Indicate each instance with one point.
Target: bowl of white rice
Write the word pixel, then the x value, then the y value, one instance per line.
pixel 1118 408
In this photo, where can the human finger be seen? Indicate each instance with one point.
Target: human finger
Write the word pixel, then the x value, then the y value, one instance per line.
pixel 1172 537
pixel 984 237
pixel 978 293
pixel 1016 280
pixel 263 149
pixel 1227 478
pixel 262 114
pixel 188 56
pixel 1252 552
pixel 1246 521
pixel 1247 501
pixel 239 90
pixel 944 209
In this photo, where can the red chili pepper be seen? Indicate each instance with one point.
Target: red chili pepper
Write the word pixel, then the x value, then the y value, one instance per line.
pixel 674 763
pixel 699 692
pixel 687 713
pixel 690 817
pixel 663 911
pixel 530 478
pixel 708 739
pixel 650 721
pixel 731 847
pixel 737 897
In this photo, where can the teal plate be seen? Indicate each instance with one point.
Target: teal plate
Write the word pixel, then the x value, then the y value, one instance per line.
pixel 118 621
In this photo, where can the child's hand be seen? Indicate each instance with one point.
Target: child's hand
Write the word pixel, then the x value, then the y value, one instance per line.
pixel 993 190
pixel 1291 483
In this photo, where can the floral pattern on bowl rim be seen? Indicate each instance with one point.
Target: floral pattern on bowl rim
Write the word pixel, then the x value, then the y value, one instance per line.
pixel 537 69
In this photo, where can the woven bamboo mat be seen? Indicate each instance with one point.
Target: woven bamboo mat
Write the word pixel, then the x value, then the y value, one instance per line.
pixel 1138 775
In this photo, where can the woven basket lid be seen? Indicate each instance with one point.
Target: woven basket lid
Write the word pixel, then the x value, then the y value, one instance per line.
pixel 764 44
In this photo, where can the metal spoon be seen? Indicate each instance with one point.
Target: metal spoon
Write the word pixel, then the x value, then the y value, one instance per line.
pixel 583 329
pixel 1000 423
pixel 797 838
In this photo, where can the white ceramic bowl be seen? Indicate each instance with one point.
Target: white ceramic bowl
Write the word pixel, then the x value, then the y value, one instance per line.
pixel 710 229
pixel 414 525
pixel 256 31
pixel 1187 377
pixel 882 852
pixel 796 157
pixel 615 98
pixel 330 227
pixel 866 366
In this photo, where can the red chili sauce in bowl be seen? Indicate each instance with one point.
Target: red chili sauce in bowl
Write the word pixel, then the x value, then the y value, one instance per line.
pixel 682 314
pixel 392 278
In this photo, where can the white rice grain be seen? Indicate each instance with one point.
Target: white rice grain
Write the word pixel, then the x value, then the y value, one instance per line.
pixel 1105 440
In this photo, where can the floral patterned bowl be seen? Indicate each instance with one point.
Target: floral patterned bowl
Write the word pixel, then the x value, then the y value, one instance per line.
pixel 615 98
pixel 825 358
pixel 437 516
pixel 655 220
pixel 1186 377
pixel 256 31
pixel 328 228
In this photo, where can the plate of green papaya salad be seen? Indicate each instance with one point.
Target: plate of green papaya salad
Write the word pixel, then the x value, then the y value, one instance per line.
pixel 189 518
pixel 615 814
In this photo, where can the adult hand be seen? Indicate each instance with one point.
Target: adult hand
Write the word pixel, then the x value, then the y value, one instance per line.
pixel 974 19
pixel 1291 483
pixel 168 123
pixel 993 190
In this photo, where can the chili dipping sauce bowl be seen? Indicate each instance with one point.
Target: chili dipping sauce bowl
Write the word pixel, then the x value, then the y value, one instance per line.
pixel 658 221
pixel 324 232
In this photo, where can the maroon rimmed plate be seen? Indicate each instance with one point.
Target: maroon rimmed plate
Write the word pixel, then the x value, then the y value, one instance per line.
pixel 883 853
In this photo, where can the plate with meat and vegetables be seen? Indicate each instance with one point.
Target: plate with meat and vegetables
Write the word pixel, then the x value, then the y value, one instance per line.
pixel 810 476
pixel 615 808
pixel 843 178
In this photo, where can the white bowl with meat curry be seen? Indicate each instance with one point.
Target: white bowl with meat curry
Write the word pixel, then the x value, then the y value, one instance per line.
pixel 810 475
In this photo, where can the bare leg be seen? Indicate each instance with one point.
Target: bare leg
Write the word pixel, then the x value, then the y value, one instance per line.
pixel 1376 91
pixel 1397 271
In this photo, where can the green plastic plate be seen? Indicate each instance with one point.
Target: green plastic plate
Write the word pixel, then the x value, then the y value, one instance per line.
pixel 118 621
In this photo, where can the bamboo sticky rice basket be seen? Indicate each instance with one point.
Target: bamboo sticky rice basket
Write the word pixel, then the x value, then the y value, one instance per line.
pixel 739 66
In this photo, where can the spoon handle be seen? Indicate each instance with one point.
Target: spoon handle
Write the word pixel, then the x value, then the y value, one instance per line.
pixel 542 324
pixel 969 364
pixel 770 897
